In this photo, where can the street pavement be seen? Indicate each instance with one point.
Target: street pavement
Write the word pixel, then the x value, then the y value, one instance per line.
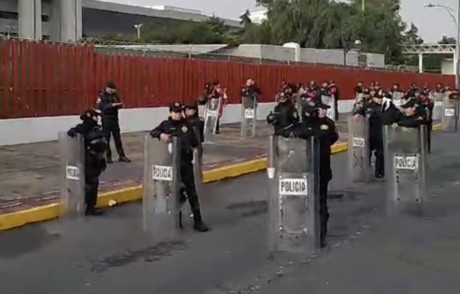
pixel 30 172
pixel 369 252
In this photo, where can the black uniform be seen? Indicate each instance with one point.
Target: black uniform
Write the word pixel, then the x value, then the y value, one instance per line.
pixel 419 118
pixel 196 121
pixel 110 122
pixel 378 115
pixel 325 131
pixel 285 116
pixel 188 140
pixel 95 164
pixel 251 94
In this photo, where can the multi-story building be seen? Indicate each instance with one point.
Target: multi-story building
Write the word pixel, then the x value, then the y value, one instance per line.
pixel 70 20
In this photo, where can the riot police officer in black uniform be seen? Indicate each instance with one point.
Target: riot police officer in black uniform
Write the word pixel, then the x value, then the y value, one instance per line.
pixel 284 115
pixel 195 121
pixel 380 111
pixel 315 123
pixel 413 115
pixel 176 125
pixel 315 119
pixel 95 163
pixel 109 104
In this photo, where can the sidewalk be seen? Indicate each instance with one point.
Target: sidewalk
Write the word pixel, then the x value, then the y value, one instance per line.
pixel 30 176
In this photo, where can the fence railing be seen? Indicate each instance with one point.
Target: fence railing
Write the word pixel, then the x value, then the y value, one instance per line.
pixel 50 79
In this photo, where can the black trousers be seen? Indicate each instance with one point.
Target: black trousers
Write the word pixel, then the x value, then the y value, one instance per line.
pixel 323 208
pixel 112 128
pixel 218 126
pixel 336 106
pixel 429 129
pixel 188 191
pixel 91 189
pixel 376 148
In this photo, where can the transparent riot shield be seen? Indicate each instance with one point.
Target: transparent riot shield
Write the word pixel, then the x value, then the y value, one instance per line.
pixel 248 115
pixel 161 189
pixel 358 149
pixel 405 157
pixel 437 99
pixel 448 114
pixel 359 97
pixel 299 103
pixel 72 194
pixel 329 100
pixel 398 98
pixel 211 118
pixel 293 169
pixel 198 164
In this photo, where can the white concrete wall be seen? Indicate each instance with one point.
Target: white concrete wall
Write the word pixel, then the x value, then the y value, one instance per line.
pixel 447 66
pixel 42 129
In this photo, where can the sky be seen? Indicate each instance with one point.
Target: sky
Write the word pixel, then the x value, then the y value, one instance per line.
pixel 433 23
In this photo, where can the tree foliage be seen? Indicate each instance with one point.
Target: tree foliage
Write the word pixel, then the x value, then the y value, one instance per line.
pixel 322 24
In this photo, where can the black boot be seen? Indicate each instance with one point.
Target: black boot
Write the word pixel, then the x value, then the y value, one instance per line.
pixel 123 158
pixel 199 225
pixel 93 212
pixel 181 224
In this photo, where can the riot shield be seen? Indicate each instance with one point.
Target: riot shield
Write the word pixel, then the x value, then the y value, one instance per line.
pixel 448 114
pixel 358 149
pixel 161 189
pixel 358 97
pixel 405 152
pixel 248 115
pixel 198 164
pixel 211 118
pixel 293 172
pixel 72 194
pixel 398 98
pixel 437 99
pixel 329 100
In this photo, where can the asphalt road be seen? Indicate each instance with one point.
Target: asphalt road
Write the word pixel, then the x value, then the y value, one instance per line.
pixel 368 254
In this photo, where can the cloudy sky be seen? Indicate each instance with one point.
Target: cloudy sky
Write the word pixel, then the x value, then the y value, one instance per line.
pixel 432 22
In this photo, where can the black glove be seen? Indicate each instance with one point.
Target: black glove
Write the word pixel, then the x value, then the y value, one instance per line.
pixel 71 133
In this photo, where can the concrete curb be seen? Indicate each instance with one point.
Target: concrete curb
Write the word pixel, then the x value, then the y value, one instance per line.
pixel 48 212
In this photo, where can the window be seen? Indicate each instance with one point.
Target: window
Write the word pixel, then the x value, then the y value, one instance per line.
pixel 15 15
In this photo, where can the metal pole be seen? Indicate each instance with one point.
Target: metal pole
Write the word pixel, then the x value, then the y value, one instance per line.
pixel 363 5
pixel 457 68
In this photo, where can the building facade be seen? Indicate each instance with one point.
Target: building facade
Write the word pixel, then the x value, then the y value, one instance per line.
pixel 70 20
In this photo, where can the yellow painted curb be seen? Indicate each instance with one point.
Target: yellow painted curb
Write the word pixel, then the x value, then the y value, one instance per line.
pixel 47 212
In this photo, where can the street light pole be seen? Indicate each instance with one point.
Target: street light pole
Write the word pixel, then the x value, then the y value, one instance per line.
pixel 457 65
pixel 138 28
pixel 456 59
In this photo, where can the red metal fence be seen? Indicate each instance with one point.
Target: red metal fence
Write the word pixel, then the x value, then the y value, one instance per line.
pixel 51 79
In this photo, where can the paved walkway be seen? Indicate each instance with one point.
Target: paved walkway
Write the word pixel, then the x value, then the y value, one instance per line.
pixel 369 252
pixel 29 175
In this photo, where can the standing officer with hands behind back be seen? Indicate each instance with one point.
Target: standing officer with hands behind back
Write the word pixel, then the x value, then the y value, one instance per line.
pixel 109 104
pixel 176 125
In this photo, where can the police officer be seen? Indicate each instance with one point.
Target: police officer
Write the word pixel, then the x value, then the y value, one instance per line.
pixel 284 115
pixel 195 121
pixel 380 110
pixel 95 163
pixel 413 115
pixel 176 125
pixel 426 110
pixel 315 119
pixel 316 124
pixel 109 104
